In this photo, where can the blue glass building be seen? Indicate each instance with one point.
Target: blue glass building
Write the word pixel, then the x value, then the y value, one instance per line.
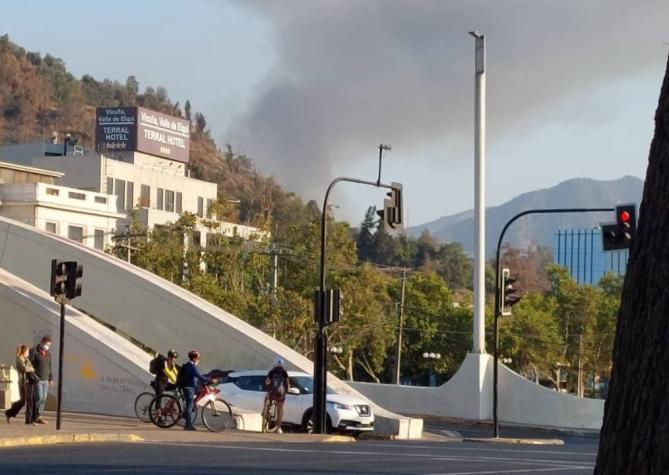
pixel 580 251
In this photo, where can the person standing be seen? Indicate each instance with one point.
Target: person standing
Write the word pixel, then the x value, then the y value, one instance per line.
pixel 27 380
pixel 188 377
pixel 41 360
pixel 277 385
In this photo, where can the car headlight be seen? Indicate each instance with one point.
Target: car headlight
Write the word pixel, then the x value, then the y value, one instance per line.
pixel 342 407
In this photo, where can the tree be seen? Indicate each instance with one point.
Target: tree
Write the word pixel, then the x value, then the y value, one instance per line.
pixel 365 239
pixel 635 432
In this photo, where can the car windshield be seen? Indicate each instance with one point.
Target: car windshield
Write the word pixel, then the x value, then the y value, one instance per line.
pixel 306 384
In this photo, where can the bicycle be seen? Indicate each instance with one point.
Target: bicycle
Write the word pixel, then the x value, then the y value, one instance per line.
pixel 142 404
pixel 269 416
pixel 216 413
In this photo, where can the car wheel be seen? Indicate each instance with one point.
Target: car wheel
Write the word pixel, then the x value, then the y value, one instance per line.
pixel 308 423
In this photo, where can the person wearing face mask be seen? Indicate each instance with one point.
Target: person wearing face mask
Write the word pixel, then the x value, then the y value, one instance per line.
pixel 41 361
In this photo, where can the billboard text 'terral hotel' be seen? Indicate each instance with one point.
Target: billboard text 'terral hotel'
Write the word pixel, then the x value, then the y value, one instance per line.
pixel 142 130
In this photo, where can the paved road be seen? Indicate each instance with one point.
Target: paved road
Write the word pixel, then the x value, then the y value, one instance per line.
pixel 365 457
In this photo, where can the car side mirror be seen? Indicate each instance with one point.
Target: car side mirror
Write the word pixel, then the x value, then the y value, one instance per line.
pixel 294 391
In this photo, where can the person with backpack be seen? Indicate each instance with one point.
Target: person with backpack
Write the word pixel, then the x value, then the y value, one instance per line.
pixel 277 385
pixel 166 372
pixel 187 381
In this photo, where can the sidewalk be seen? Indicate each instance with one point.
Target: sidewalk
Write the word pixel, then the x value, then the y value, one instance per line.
pixel 81 428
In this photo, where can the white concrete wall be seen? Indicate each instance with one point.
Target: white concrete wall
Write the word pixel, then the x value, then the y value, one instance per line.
pixel 159 313
pixel 520 400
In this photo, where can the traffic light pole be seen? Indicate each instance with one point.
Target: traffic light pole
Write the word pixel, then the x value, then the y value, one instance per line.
pixel 498 303
pixel 321 341
pixel 60 360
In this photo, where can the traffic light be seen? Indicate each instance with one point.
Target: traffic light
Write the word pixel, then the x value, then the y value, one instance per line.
pixel 74 273
pixel 619 235
pixel 334 308
pixel 391 215
pixel 58 285
pixel 508 297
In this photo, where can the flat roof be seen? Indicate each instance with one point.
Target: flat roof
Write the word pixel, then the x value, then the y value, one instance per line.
pixel 38 171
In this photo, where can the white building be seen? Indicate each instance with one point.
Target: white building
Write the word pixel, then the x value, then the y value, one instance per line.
pixel 158 189
pixel 28 195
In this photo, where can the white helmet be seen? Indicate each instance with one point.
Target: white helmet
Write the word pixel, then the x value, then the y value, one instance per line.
pixel 278 362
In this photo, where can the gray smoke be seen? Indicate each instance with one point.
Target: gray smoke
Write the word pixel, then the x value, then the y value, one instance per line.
pixel 353 73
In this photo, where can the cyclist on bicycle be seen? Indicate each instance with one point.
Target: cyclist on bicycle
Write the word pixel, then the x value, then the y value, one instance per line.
pixel 166 371
pixel 277 386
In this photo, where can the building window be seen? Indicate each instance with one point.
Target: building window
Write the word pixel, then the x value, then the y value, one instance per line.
pixel 76 233
pixel 159 199
pixel 119 191
pixel 101 199
pixel 179 199
pixel 52 191
pixel 200 207
pixel 145 196
pixel 130 199
pixel 197 239
pixel 99 239
pixel 110 186
pixel 6 175
pixel 209 208
pixel 169 201
pixel 20 177
pixel 76 196
pixel 50 228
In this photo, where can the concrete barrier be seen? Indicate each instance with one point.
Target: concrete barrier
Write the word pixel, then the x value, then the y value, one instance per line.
pixel 468 395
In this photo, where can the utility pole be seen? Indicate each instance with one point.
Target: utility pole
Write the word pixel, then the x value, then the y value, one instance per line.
pixel 479 195
pixel 398 362
pixel 579 384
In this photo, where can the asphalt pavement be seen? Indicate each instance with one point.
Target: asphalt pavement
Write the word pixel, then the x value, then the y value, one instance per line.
pixel 364 457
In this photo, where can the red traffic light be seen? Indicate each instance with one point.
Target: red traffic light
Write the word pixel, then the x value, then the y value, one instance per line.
pixel 625 216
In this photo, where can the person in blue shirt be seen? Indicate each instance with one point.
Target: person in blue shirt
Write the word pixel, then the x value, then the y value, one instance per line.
pixel 188 379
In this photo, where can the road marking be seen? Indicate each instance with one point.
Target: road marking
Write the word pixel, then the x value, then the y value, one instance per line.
pixel 522 470
pixel 520 449
pixel 519 461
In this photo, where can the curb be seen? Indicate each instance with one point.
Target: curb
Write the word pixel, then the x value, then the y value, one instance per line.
pixel 512 441
pixel 67 439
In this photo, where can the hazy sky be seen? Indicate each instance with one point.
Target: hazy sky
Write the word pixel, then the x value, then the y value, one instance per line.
pixel 309 88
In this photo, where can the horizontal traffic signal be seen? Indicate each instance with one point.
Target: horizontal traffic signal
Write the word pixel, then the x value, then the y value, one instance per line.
pixel 620 235
pixel 65 277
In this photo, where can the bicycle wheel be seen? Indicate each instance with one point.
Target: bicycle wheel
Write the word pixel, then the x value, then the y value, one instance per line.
pixel 217 415
pixel 269 417
pixel 142 404
pixel 169 413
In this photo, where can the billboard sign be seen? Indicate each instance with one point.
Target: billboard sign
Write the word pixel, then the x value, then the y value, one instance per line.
pixel 116 128
pixel 143 130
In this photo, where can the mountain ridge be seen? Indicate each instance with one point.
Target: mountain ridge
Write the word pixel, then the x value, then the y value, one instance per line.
pixel 579 192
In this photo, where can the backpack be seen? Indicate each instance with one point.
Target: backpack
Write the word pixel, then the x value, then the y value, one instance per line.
pixel 157 364
pixel 276 383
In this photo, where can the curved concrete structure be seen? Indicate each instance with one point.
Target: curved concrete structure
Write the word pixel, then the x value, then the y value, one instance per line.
pixel 158 313
pixel 465 396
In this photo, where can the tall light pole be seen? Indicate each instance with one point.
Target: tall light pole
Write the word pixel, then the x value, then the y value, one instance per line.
pixel 479 196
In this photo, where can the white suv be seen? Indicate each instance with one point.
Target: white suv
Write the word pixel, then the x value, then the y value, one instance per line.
pixel 246 389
